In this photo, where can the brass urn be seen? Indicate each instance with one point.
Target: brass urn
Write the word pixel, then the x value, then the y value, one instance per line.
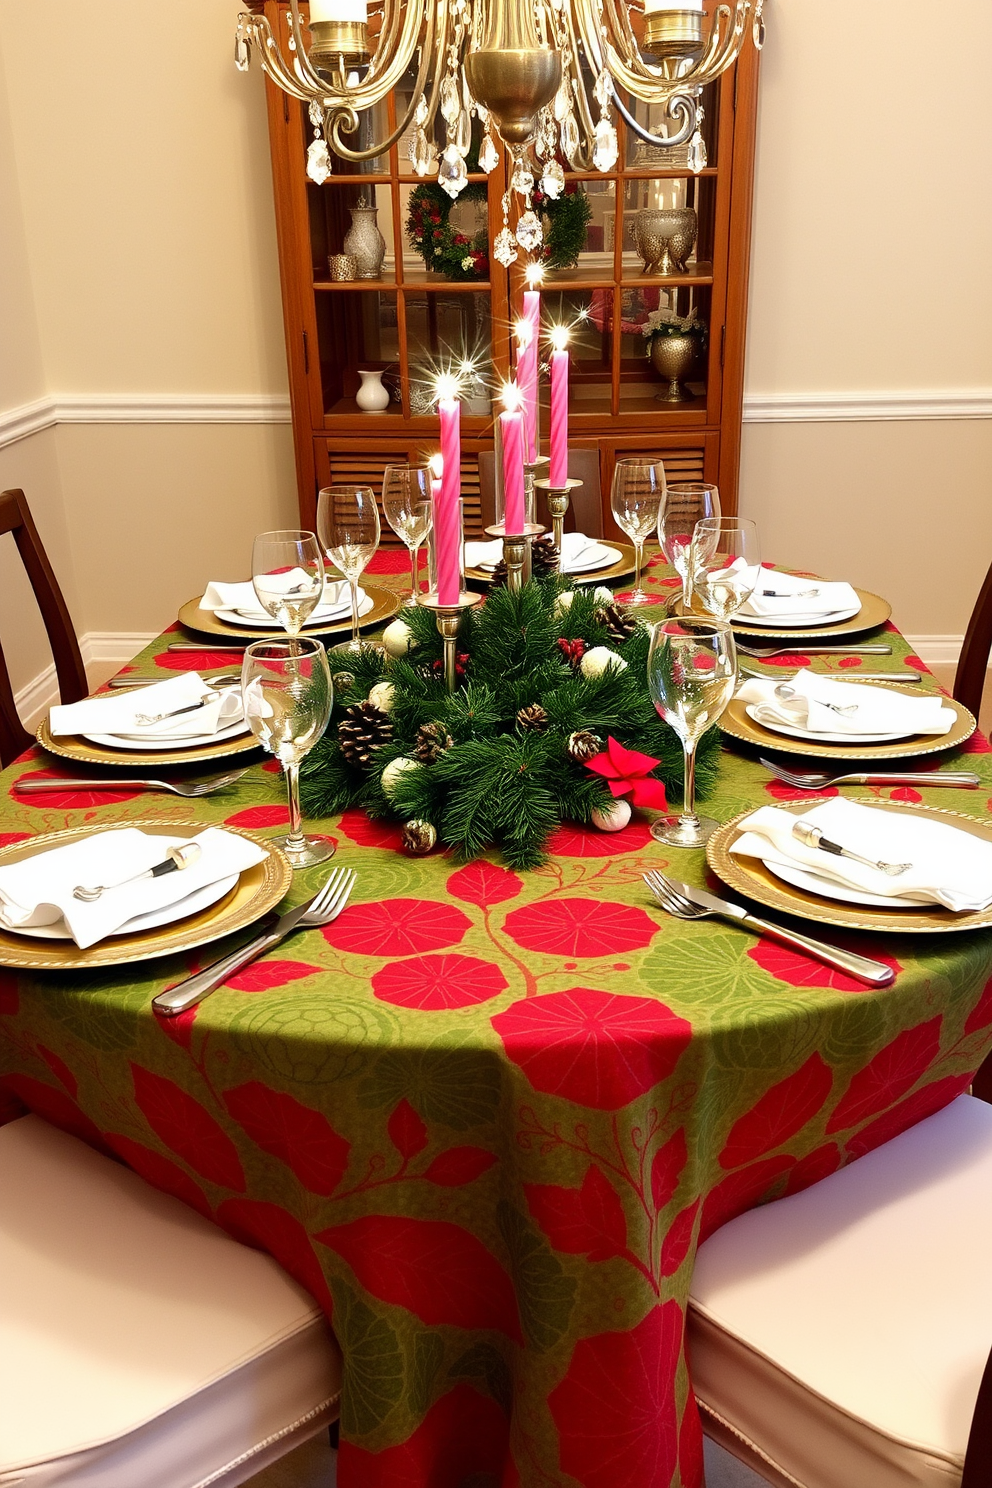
pixel 674 356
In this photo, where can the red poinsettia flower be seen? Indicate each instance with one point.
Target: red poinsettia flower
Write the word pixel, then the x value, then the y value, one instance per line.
pixel 628 773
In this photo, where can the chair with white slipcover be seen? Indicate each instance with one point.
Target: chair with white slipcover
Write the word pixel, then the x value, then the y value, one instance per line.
pixel 840 1337
pixel 140 1346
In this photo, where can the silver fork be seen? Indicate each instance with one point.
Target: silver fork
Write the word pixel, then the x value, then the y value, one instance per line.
pixel 900 677
pixel 224 679
pixel 203 787
pixel 324 907
pixel 764 652
pixel 875 973
pixel 813 780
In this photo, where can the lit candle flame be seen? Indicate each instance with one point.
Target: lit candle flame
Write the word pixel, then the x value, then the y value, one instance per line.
pixel 534 274
pixel 522 332
pixel 511 397
pixel 436 462
pixel 559 336
pixel 447 387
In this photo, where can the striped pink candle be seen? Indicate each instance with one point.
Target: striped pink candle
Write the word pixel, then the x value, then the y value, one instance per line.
pixel 528 344
pixel 448 516
pixel 511 426
pixel 559 416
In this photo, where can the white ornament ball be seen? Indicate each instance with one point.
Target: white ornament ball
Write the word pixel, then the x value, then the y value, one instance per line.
pixel 603 595
pixel 383 696
pixel 393 772
pixel 612 818
pixel 595 662
pixel 564 601
pixel 397 638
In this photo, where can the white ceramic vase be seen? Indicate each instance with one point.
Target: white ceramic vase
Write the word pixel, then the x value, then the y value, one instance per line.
pixel 372 397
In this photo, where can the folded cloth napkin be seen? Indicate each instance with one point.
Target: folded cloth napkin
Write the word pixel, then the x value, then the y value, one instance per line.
pixel 117 713
pixel 243 599
pixel 830 599
pixel 576 548
pixel 949 867
pixel 880 710
pixel 39 890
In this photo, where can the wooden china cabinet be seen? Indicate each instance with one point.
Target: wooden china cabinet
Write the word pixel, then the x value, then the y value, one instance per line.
pixel 408 319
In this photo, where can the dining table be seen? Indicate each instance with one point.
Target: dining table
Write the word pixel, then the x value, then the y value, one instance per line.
pixel 485 1117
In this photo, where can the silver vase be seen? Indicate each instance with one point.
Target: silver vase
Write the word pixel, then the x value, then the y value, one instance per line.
pixel 673 357
pixel 364 242
pixel 665 237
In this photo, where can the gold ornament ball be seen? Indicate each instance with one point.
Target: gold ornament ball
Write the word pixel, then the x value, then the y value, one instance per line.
pixel 612 818
pixel 392 774
pixel 383 696
pixel 595 662
pixel 397 638
pixel 419 838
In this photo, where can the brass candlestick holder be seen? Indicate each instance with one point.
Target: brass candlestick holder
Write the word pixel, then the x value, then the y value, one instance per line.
pixel 558 498
pixel 530 507
pixel 516 550
pixel 448 618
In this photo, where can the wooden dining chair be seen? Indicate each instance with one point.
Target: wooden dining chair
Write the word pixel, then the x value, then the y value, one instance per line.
pixel 585 513
pixel 16 518
pixel 969 680
pixel 141 1345
pixel 841 1337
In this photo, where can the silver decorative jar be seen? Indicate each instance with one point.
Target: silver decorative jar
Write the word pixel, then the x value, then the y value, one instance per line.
pixel 665 237
pixel 674 357
pixel 364 242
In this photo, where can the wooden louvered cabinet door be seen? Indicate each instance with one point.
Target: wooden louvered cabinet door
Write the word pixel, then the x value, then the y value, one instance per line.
pixel 351 462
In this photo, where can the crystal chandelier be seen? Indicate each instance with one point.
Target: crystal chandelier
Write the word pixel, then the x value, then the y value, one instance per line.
pixel 544 76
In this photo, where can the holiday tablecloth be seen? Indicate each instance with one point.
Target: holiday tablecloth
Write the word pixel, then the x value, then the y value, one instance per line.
pixel 484 1117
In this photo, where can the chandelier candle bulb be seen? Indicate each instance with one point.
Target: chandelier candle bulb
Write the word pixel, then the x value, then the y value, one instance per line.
pixel 338 10
pixel 558 472
pixel 653 7
pixel 448 513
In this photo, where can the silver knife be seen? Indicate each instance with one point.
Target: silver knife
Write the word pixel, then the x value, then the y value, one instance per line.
pixel 875 973
pixel 205 645
pixel 837 676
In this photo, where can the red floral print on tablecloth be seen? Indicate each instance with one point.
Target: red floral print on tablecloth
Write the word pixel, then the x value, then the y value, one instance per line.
pixel 10 1001
pixel 814 1166
pixel 462 1440
pixel 255 818
pixel 580 927
pixel 485 884
pixel 7 839
pixel 783 792
pixel 798 970
pixel 599 1049
pixel 368 833
pixel 268 1227
pixel 437 983
pixel 741 1191
pixel 68 800
pixel 916 1108
pixel 199 661
pixel 615 1408
pixel 55 1106
pixel 887 1077
pixel 588 1220
pixel 262 976
pixel 778 1114
pixel 571 840
pixel 299 1136
pixel 187 1129
pixel 397 927
pixel 160 1172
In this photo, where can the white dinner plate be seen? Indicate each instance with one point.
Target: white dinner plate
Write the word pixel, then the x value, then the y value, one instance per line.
pixel 180 910
pixel 812 883
pixel 164 743
pixel 321 616
pixel 785 622
pixel 598 557
pixel 852 739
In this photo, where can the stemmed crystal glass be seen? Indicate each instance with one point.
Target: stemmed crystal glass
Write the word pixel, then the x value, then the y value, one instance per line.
pixel 406 501
pixel 724 564
pixel 287 573
pixel 637 499
pixel 692 672
pixel 687 504
pixel 287 691
pixel 348 526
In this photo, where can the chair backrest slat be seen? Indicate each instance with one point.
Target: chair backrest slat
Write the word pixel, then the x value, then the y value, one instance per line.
pixel 969 681
pixel 15 518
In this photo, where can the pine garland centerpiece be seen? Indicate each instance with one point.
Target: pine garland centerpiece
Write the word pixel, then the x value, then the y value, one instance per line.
pixel 547 677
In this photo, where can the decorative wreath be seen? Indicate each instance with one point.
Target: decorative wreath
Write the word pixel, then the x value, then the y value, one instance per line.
pixel 457 256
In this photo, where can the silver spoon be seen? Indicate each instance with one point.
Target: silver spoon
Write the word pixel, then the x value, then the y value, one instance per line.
pixel 176 858
pixel 147 719
pixel 811 836
pixel 787 693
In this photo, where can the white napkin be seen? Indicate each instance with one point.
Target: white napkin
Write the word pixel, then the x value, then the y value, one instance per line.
pixel 831 598
pixel 575 549
pixel 220 596
pixel 117 713
pixel 39 889
pixel 880 709
pixel 949 867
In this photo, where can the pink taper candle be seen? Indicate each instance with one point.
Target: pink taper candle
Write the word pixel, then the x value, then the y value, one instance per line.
pixel 528 338
pixel 559 411
pixel 511 425
pixel 448 513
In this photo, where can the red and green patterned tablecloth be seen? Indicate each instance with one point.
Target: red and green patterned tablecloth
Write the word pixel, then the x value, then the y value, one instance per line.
pixel 484 1117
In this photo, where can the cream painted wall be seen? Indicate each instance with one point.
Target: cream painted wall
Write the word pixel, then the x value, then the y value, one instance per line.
pixel 137 255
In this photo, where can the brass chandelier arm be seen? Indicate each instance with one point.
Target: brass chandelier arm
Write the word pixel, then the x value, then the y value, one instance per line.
pixel 257 32
pixel 336 119
pixel 680 106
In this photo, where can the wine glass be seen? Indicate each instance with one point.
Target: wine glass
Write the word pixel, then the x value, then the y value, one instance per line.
pixel 287 691
pixel 692 672
pixel 687 504
pixel 724 565
pixel 406 501
pixel 348 525
pixel 287 573
pixel 637 500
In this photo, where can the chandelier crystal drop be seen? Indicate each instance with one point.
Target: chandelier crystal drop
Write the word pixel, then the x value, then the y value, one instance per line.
pixel 524 67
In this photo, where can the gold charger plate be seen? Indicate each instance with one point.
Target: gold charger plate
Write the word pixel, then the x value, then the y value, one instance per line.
pixel 750 877
pixel 384 605
pixel 738 725
pixel 75 747
pixel 258 890
pixel 873 613
pixel 623 567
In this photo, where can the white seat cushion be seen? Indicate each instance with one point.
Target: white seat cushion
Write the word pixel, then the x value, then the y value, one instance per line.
pixel 140 1346
pixel 844 1331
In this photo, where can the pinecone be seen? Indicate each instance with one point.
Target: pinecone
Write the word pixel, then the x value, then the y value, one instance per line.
pixel 363 729
pixel 620 623
pixel 547 558
pixel 497 579
pixel 431 742
pixel 533 718
pixel 419 838
pixel 583 746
